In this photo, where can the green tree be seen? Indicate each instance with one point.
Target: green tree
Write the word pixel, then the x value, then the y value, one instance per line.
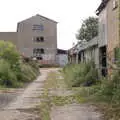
pixel 88 30
pixel 9 52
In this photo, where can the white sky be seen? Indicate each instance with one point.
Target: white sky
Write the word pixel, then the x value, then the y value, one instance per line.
pixel 69 14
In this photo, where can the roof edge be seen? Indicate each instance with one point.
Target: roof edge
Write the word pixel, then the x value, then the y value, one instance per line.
pixel 47 18
pixel 40 16
pixel 101 6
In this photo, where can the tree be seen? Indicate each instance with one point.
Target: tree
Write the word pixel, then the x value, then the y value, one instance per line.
pixel 88 30
pixel 9 52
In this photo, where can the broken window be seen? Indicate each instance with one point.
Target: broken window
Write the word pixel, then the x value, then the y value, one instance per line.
pixel 39 58
pixel 42 50
pixel 38 39
pixel 38 51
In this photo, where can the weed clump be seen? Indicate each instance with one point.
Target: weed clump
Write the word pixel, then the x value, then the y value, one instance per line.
pixel 80 74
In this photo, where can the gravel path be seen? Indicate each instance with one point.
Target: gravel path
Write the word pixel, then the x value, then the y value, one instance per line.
pixel 22 107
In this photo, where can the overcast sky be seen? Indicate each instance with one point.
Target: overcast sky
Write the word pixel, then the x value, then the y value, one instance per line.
pixel 68 13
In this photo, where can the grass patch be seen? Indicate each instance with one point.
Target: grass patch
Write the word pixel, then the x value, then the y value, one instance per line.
pixel 105 94
pixel 49 101
pixel 77 75
pixel 96 95
pixel 51 81
pixel 45 106
pixel 64 100
pixel 54 82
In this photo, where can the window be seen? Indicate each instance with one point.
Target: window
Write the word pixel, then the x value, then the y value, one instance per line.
pixel 39 58
pixel 38 51
pixel 42 51
pixel 42 39
pixel 39 39
pixel 38 27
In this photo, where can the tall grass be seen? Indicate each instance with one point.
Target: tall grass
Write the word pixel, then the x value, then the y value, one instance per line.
pixel 80 74
pixel 106 95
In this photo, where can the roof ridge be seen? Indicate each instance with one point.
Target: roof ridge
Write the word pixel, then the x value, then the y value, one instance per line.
pixel 39 16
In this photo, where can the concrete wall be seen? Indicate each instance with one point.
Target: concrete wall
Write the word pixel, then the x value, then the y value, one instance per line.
pixel 112 28
pixel 92 54
pixel 26 34
pixel 108 33
pixel 9 36
pixel 103 28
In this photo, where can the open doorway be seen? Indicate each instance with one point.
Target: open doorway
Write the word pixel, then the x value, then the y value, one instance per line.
pixel 103 61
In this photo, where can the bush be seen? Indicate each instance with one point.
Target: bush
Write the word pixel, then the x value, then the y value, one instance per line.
pixel 110 89
pixel 9 52
pixel 14 70
pixel 81 74
pixel 35 66
pixel 7 76
pixel 27 73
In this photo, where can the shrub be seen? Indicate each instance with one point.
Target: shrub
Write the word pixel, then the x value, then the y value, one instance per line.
pixel 80 74
pixel 7 76
pixel 35 66
pixel 110 89
pixel 9 52
pixel 27 73
pixel 16 76
pixel 14 70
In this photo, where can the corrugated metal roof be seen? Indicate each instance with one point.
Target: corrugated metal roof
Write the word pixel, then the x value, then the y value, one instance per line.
pixel 101 6
pixel 84 45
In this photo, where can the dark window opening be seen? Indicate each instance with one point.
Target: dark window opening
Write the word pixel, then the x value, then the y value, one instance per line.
pixel 42 51
pixel 39 39
pixel 103 61
pixel 42 39
pixel 38 51
pixel 39 58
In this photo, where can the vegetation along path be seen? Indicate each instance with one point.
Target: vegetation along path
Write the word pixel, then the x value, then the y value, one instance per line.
pixel 48 98
pixel 23 107
pixel 63 103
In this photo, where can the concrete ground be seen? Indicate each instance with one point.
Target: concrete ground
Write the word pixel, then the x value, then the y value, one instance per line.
pixel 75 112
pixel 21 105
